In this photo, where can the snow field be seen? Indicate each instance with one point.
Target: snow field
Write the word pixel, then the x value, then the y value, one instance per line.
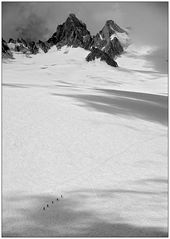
pixel 59 138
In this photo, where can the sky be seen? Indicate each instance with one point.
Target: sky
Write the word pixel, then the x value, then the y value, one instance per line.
pixel 148 20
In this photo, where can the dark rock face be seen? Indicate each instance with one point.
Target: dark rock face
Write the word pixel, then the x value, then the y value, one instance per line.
pixel 20 45
pixel 32 46
pixel 107 41
pixel 22 41
pixel 20 48
pixel 12 41
pixel 26 47
pixel 109 29
pixel 72 32
pixel 96 53
pixel 6 53
pixel 56 37
pixel 45 46
pixel 113 48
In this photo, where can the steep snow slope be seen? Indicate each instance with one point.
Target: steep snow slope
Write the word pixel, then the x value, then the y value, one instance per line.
pixel 93 133
pixel 122 37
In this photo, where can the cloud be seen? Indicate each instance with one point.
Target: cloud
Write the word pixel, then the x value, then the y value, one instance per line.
pixel 24 20
pixel 33 29
pixel 149 22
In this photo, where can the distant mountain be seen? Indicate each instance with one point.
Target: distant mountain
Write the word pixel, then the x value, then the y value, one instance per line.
pixel 109 42
pixel 111 39
pixel 27 47
pixel 72 32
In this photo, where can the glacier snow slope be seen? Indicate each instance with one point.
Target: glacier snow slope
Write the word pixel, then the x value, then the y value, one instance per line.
pixel 93 133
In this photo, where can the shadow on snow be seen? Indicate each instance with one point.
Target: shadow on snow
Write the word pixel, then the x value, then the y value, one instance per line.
pixel 144 106
pixel 69 216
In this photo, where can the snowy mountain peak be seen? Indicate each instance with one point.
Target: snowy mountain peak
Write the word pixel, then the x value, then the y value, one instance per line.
pixel 113 27
pixel 72 32
pixel 72 15
pixel 75 22
pixel 108 39
pixel 74 19
pixel 111 40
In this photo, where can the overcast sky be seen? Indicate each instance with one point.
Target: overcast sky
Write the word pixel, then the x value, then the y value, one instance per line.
pixel 148 20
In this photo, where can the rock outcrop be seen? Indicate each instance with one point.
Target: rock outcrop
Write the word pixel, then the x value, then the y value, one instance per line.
pixel 44 46
pixel 30 47
pixel 21 46
pixel 98 54
pixel 72 32
pixel 33 48
pixel 6 52
pixel 12 41
pixel 113 48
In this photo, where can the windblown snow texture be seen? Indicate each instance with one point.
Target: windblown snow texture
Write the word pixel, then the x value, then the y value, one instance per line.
pixel 84 148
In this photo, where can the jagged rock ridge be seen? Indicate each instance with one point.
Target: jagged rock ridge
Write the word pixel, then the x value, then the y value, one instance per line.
pixel 106 45
pixel 28 47
pixel 72 32
pixel 98 54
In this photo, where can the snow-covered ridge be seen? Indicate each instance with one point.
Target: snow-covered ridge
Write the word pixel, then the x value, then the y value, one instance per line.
pixel 134 73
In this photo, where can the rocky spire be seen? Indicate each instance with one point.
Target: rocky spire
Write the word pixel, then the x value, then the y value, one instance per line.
pixel 111 39
pixel 72 32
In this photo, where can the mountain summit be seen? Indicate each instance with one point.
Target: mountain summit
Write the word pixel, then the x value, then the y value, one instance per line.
pixel 111 30
pixel 106 45
pixel 111 39
pixel 72 32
